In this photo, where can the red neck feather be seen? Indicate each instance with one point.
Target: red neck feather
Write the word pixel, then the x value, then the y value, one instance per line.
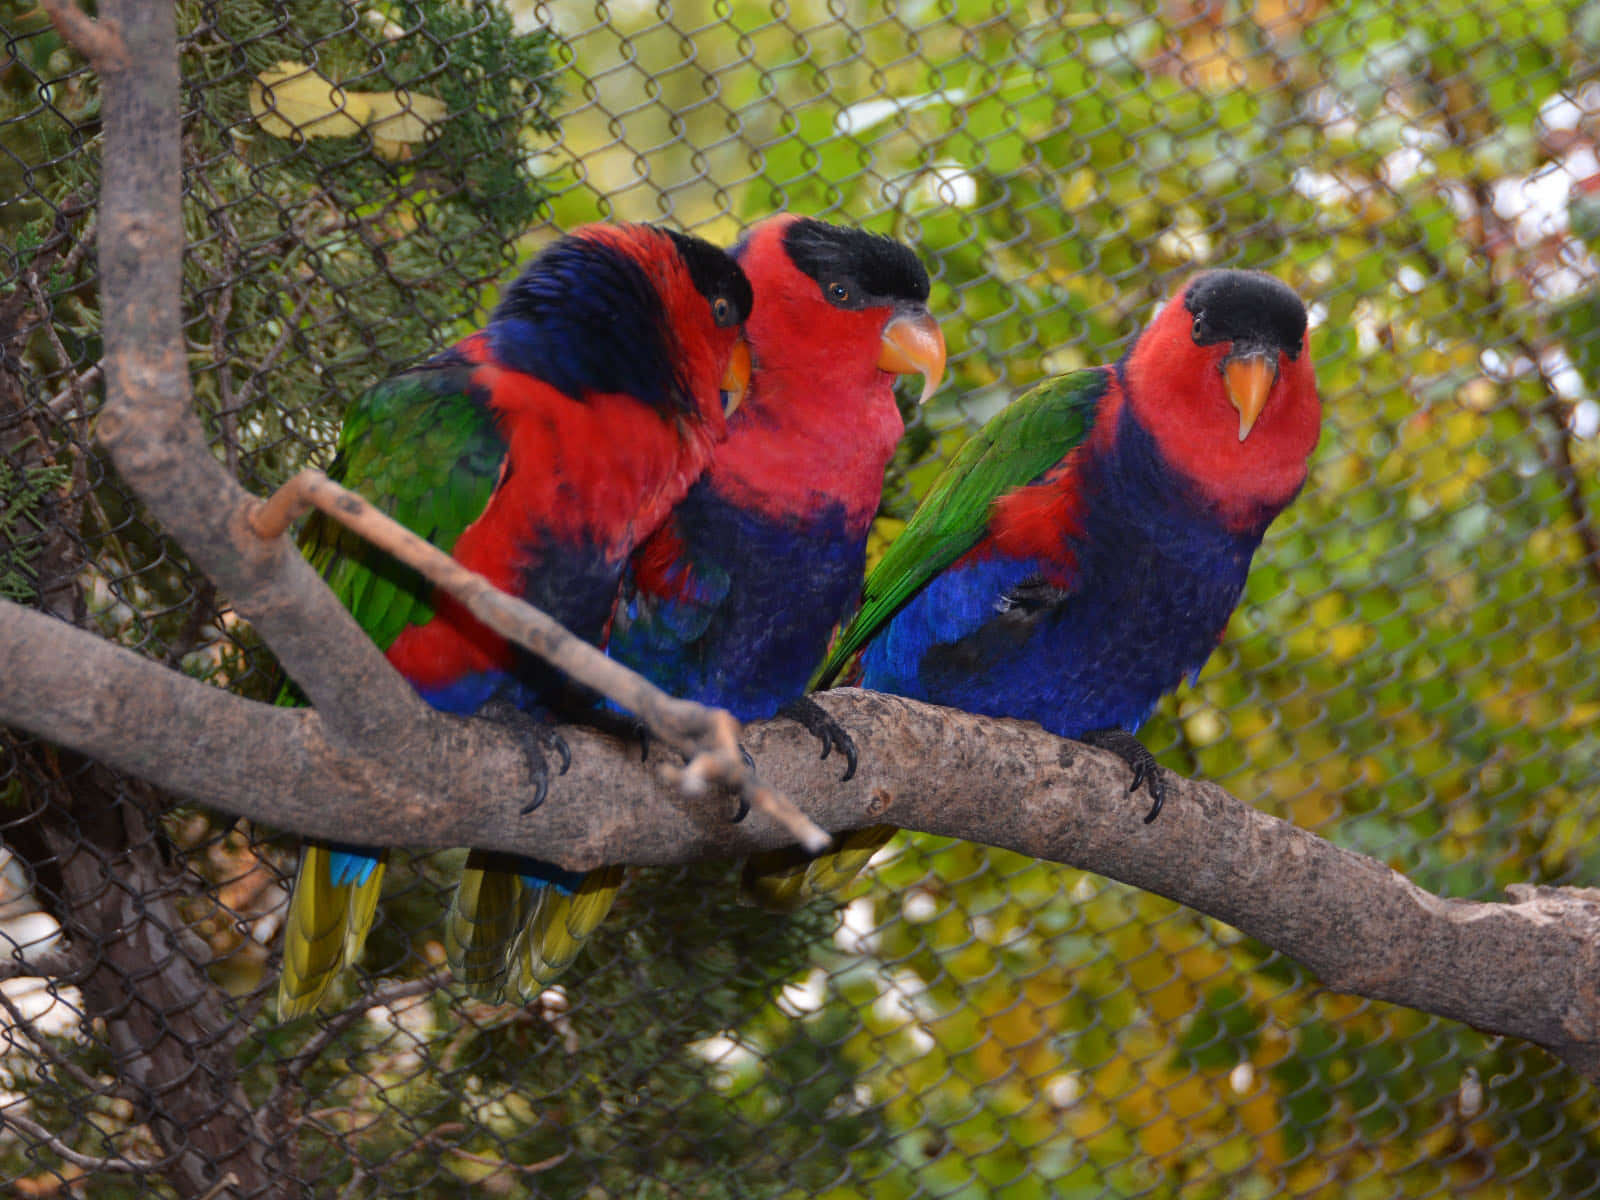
pixel 1176 391
pixel 820 422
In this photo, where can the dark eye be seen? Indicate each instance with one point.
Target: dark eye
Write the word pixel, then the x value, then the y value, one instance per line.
pixel 722 311
pixel 1201 332
pixel 838 293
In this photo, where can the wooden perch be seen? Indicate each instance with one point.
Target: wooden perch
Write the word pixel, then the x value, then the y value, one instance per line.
pixel 707 737
pixel 1530 968
pixel 149 426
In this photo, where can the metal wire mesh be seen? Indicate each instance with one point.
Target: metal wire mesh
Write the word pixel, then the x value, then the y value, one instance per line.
pixel 1410 674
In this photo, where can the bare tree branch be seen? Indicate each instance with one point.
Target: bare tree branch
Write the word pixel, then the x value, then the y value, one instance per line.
pixel 101 41
pixel 708 737
pixel 1529 968
pixel 88 1162
pixel 158 444
pixel 54 964
pixel 274 1111
pixel 147 421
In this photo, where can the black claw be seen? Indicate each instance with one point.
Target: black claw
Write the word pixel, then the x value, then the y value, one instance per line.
pixel 541 788
pixel 1140 761
pixel 824 728
pixel 743 811
pixel 745 754
pixel 559 745
pixel 623 726
pixel 536 739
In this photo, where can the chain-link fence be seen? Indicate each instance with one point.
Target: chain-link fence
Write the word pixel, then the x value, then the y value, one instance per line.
pixel 1411 674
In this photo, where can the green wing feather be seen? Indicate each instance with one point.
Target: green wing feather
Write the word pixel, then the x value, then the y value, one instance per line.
pixel 427 452
pixel 1016 447
pixel 1019 444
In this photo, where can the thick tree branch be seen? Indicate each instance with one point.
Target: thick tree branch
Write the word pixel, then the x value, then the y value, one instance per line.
pixel 1530 968
pixel 148 422
pixel 707 737
pixel 155 439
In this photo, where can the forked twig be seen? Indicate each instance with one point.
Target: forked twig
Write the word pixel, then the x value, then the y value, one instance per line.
pixel 707 737
pixel 100 41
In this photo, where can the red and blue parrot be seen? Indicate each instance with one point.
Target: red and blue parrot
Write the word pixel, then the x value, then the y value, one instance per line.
pixel 539 452
pixel 1082 554
pixel 732 601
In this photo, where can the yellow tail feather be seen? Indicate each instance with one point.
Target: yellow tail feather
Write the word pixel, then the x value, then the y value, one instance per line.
pixel 491 903
pixel 326 929
pixel 784 880
pixel 559 927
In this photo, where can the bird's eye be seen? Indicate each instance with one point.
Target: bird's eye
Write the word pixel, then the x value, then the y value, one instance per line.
pixel 722 311
pixel 838 293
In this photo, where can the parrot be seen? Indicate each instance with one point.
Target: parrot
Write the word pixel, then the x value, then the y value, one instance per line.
pixel 1082 554
pixel 733 600
pixel 538 451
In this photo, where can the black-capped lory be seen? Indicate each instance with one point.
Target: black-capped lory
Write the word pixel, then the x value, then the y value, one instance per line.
pixel 538 452
pixel 1082 554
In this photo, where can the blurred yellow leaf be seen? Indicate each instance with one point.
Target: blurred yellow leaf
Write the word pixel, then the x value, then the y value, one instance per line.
pixel 403 116
pixel 293 100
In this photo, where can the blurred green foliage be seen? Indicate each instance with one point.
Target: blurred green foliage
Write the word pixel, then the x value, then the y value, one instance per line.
pixel 1411 673
pixel 314 267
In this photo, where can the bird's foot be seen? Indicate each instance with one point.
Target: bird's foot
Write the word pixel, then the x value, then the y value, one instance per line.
pixel 825 729
pixel 1143 764
pixel 625 727
pixel 538 740
pixel 743 810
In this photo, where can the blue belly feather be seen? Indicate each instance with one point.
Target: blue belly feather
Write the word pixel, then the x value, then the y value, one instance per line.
pixel 1153 578
pixel 786 581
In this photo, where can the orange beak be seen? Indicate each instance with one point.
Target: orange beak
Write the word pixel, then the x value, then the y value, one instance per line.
pixel 1249 380
pixel 912 342
pixel 736 379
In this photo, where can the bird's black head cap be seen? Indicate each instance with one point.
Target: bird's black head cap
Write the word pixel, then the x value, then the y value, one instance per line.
pixel 715 276
pixel 854 268
pixel 1246 307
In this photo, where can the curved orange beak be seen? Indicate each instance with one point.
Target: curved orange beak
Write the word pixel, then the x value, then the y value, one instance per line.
pixel 1249 379
pixel 912 342
pixel 736 379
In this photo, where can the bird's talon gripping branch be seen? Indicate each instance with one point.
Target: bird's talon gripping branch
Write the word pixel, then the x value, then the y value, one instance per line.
pixel 806 711
pixel 537 739
pixel 1140 761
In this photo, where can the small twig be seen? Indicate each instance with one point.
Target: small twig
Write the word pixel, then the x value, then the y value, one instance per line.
pixel 68 401
pixel 100 41
pixel 58 964
pixel 500 1164
pixel 357 1178
pixel 333 1027
pixel 708 737
pixel 1562 463
pixel 230 1180
pixel 270 358
pixel 21 1021
pixel 89 1162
